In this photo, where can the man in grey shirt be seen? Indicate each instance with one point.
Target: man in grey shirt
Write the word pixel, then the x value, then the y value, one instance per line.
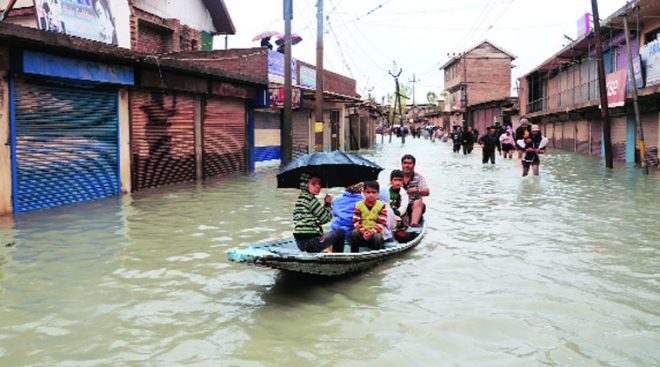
pixel 416 187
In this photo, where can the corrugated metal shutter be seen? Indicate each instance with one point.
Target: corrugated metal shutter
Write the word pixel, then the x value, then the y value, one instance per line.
pixel 162 139
pixel 224 136
pixel 66 145
pixel 300 133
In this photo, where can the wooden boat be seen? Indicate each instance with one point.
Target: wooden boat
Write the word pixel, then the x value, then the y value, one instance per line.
pixel 285 255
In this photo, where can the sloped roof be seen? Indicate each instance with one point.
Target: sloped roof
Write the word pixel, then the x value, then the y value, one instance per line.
pixel 456 58
pixel 220 16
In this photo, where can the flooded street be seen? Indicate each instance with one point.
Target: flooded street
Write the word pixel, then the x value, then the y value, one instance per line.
pixel 561 269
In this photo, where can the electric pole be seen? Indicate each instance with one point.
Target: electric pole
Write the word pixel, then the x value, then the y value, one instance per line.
pixel 287 144
pixel 633 81
pixel 397 99
pixel 413 81
pixel 604 108
pixel 318 109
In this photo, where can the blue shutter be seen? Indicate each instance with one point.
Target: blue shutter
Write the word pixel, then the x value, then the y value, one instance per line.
pixel 66 147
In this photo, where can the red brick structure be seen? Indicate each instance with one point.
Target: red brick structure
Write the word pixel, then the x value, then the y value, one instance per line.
pixel 478 75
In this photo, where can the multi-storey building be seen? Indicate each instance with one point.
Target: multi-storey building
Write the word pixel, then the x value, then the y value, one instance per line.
pixel 562 95
pixel 479 75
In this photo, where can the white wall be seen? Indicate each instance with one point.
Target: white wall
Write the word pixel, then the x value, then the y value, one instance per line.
pixel 192 13
pixel 122 16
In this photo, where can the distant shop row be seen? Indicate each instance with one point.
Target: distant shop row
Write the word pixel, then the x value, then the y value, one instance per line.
pixel 84 121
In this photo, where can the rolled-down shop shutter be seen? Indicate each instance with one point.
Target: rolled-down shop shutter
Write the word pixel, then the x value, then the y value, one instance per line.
pixel 66 147
pixel 162 139
pixel 300 127
pixel 224 136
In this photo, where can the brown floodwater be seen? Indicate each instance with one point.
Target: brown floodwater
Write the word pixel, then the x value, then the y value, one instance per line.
pixel 561 269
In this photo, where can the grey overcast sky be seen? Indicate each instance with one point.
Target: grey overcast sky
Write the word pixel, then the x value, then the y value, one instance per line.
pixel 363 37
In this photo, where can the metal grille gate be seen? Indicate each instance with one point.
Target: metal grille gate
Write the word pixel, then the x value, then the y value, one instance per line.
pixel 162 139
pixel 224 136
pixel 65 145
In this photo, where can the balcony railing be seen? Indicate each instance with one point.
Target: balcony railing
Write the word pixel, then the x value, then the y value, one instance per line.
pixel 566 99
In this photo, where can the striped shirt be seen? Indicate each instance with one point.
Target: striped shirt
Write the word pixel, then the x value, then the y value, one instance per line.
pixel 381 221
pixel 309 214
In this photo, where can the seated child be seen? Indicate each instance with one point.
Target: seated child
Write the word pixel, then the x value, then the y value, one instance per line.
pixel 398 199
pixel 343 208
pixel 370 216
pixel 309 215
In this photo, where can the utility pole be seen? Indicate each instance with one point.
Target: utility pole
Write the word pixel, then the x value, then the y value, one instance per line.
pixel 397 99
pixel 318 109
pixel 413 81
pixel 602 89
pixel 414 109
pixel 633 81
pixel 287 144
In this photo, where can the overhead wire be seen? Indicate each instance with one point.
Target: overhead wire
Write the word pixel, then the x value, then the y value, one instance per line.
pixel 483 15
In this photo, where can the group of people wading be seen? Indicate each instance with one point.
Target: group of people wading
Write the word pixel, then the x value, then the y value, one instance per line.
pixel 365 215
pixel 526 139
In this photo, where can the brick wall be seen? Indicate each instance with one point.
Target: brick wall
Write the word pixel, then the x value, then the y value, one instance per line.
pixel 250 61
pixel 152 40
pixel 488 80
pixel 153 34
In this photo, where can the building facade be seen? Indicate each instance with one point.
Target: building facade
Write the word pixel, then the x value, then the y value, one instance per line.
pixel 480 74
pixel 562 93
pixel 85 120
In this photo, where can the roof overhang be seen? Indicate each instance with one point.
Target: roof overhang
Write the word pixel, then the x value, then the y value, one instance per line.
pixel 14 35
pixel 220 16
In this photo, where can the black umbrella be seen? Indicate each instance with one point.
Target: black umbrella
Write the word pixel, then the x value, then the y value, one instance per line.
pixel 336 169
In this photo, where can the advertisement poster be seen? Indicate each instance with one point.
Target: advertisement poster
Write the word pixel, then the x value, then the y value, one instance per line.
pixel 616 88
pixel 91 19
pixel 277 98
pixel 276 68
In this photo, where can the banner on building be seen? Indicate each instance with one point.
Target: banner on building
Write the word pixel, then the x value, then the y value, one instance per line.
pixel 584 25
pixel 651 61
pixel 276 68
pixel 277 97
pixel 91 19
pixel 637 68
pixel 307 77
pixel 616 88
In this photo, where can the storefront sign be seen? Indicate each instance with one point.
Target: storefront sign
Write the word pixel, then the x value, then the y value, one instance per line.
pixel 63 67
pixel 91 19
pixel 637 67
pixel 616 88
pixel 276 68
pixel 584 25
pixel 651 61
pixel 307 77
pixel 277 98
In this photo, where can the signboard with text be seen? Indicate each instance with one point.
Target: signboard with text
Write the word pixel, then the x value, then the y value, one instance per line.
pixel 616 88
pixel 91 19
pixel 651 62
pixel 276 68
